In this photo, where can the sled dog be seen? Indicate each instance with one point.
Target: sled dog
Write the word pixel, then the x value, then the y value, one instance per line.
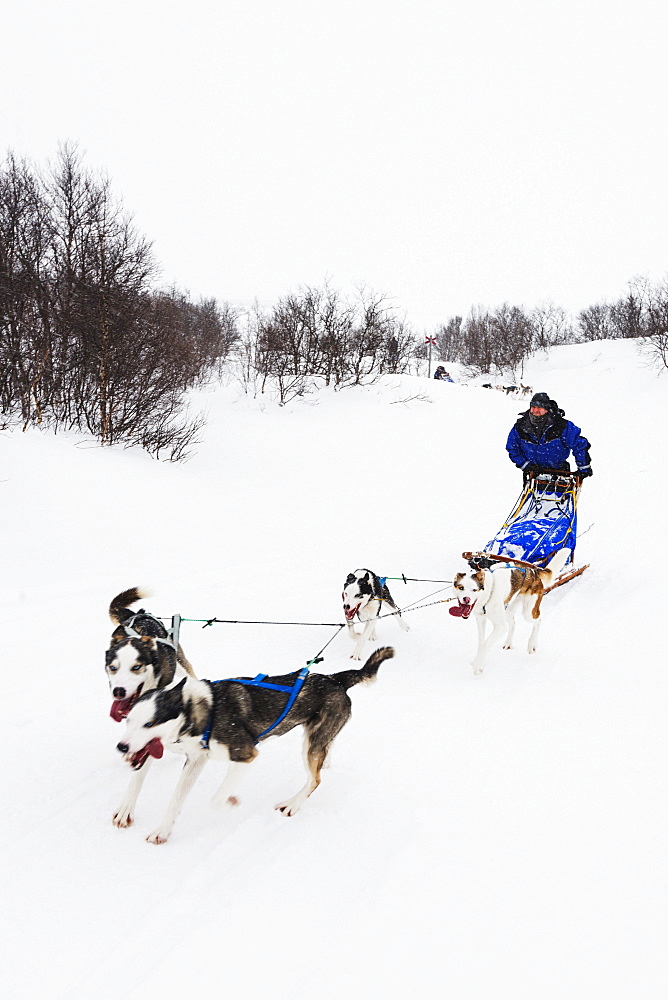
pixel 225 720
pixel 140 658
pixel 364 595
pixel 493 595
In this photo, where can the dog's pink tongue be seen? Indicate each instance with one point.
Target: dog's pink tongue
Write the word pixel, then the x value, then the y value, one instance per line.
pixel 461 610
pixel 155 748
pixel 120 709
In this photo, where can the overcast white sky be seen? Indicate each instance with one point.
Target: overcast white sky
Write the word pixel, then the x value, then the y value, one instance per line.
pixel 448 153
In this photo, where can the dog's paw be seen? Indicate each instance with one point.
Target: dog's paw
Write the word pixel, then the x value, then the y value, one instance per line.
pixel 507 647
pixel 288 808
pixel 123 819
pixel 477 668
pixel 157 837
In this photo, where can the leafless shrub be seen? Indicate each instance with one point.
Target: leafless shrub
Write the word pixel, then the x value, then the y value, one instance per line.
pixel 173 436
pixel 317 337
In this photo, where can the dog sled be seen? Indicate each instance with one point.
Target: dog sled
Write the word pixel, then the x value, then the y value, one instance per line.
pixel 542 522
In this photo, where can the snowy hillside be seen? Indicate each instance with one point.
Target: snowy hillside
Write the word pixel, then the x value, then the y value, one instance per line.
pixel 492 836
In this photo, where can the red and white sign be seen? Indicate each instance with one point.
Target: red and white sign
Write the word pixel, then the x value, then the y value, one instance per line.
pixel 430 340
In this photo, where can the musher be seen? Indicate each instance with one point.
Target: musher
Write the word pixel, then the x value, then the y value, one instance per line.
pixel 543 439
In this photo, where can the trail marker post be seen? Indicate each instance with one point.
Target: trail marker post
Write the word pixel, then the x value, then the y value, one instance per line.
pixel 432 343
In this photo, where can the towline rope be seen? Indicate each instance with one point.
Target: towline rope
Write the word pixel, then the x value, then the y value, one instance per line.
pixel 404 611
pixel 318 658
pixel 336 625
pixel 240 621
pixel 412 579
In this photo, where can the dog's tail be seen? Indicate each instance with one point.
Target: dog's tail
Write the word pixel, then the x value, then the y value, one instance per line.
pixel 348 678
pixel 558 561
pixel 123 601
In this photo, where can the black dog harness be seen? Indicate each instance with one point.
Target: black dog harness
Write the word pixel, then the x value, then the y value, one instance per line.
pixel 173 632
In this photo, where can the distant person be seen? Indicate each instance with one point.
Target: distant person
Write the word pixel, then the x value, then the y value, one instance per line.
pixel 442 375
pixel 543 439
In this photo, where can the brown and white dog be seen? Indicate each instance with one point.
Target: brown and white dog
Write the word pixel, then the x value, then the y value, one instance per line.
pixel 493 595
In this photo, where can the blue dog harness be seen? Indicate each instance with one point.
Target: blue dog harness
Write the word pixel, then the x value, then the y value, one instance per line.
pixel 259 681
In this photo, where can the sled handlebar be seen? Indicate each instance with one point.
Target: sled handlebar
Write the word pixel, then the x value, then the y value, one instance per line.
pixel 560 473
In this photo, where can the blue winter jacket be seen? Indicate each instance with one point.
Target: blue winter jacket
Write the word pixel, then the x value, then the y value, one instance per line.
pixel 551 450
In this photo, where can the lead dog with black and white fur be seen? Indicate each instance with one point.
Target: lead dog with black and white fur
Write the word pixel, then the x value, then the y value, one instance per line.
pixel 493 596
pixel 363 597
pixel 224 720
pixel 141 658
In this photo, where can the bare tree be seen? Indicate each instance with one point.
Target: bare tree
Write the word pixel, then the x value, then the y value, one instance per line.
pixel 449 339
pixel 102 269
pixel 594 323
pixel 25 327
pixel 552 326
pixel 377 341
pixel 655 319
pixel 513 337
pixel 85 342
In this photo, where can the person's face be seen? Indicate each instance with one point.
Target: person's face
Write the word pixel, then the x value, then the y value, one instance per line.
pixel 538 411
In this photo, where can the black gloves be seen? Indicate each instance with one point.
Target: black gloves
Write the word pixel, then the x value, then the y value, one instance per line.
pixel 583 474
pixel 529 471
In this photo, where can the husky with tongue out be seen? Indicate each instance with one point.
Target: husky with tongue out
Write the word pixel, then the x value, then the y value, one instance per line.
pixel 366 597
pixel 140 658
pixel 228 719
pixel 493 595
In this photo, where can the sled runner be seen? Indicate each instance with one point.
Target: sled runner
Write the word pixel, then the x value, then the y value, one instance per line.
pixel 543 521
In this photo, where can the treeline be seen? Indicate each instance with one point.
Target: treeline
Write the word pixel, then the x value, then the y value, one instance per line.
pixel 501 340
pixel 86 341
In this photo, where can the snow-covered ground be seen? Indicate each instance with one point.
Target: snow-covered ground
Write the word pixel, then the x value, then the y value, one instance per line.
pixel 493 836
